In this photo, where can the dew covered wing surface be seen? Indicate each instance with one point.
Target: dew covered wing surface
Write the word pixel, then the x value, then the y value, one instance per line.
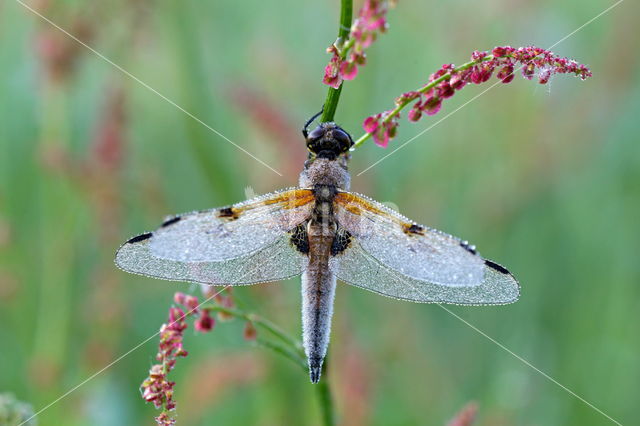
pixel 357 267
pixel 245 243
pixel 412 250
pixel 277 261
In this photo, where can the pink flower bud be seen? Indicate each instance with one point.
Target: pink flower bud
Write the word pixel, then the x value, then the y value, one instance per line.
pixel 349 69
pixel 477 55
pixel 178 297
pixel 508 79
pixel 175 314
pixel 407 97
pixel 544 75
pixel 432 105
pixel 371 124
pixel 415 113
pixel 360 58
pixel 445 90
pixel 457 80
pixel 205 322
pixel 476 75
pixel 249 333
pixel 506 73
pixel 381 137
pixel 528 71
pixel 155 372
pixel 499 52
pixel 191 302
pixel 332 71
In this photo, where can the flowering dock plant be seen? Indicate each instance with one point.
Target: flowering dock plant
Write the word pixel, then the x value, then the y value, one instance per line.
pixel 348 55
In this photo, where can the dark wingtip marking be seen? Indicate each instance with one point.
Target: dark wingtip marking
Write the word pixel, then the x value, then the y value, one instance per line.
pixel 170 221
pixel 414 229
pixel 497 267
pixel 471 249
pixel 140 237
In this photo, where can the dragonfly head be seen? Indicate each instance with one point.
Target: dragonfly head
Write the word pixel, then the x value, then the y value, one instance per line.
pixel 328 140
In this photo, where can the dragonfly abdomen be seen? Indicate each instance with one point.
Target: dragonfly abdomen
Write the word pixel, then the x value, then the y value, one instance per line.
pixel 318 290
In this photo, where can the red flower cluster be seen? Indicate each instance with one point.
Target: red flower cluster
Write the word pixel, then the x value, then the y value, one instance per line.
pixel 156 388
pixel 383 126
pixel 444 83
pixel 344 64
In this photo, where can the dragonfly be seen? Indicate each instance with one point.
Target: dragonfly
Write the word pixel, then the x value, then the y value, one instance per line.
pixel 325 233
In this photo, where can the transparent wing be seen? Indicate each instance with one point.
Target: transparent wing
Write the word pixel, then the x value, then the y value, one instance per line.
pixel 246 243
pixel 277 261
pixel 357 267
pixel 412 250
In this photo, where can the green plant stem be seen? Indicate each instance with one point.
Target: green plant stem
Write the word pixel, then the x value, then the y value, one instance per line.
pixel 289 348
pixel 324 396
pixel 399 107
pixel 333 95
pixel 295 345
pixel 284 351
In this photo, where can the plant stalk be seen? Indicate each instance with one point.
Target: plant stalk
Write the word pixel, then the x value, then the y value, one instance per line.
pixel 333 95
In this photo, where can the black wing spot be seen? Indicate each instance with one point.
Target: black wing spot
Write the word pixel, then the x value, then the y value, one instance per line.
pixel 341 241
pixel 300 239
pixel 140 237
pixel 468 247
pixel 497 267
pixel 170 221
pixel 228 212
pixel 414 229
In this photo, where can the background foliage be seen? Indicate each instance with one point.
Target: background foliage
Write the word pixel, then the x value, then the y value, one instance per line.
pixel 544 179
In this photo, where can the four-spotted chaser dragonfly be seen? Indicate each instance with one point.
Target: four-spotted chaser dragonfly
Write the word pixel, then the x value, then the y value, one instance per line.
pixel 324 232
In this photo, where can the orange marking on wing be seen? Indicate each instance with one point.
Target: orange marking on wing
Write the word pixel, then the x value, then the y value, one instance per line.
pixel 289 200
pixel 357 205
pixel 292 199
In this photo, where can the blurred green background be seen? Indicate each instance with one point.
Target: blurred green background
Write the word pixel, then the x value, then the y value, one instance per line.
pixel 543 179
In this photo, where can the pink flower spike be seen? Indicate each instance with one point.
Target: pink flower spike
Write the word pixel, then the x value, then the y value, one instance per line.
pixel 369 23
pixel 533 61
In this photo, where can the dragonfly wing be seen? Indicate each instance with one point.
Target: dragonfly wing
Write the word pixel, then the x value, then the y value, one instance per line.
pixel 413 250
pixel 357 267
pixel 389 254
pixel 245 243
pixel 277 261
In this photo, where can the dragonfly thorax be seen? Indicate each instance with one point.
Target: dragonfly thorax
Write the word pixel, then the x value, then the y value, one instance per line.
pixel 322 171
